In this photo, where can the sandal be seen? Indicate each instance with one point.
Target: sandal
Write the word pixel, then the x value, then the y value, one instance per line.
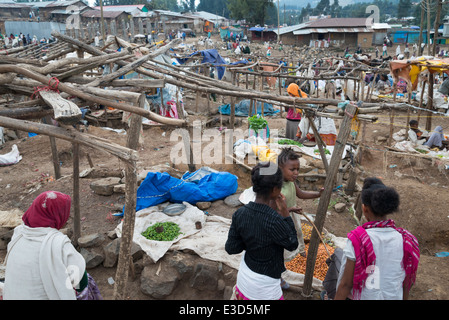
pixel 323 295
pixel 284 284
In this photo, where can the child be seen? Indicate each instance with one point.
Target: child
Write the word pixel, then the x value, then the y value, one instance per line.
pixel 288 161
pixel 262 228
pixel 380 260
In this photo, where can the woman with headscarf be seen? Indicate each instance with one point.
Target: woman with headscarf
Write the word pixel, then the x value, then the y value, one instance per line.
pixel 436 139
pixel 41 262
pixel 293 114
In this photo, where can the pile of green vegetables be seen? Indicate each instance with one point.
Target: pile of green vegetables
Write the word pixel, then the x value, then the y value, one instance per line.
pixel 289 141
pixel 326 151
pixel 257 123
pixel 162 231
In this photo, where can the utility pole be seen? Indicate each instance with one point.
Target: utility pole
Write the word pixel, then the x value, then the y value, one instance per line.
pixel 279 35
pixel 102 21
pixel 420 50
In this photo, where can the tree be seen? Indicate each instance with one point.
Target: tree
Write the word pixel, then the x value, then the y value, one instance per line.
pixel 219 7
pixel 404 8
pixel 322 7
pixel 253 11
pixel 171 5
pixel 188 5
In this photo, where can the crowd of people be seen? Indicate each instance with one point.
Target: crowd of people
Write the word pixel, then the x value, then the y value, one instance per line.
pixel 21 40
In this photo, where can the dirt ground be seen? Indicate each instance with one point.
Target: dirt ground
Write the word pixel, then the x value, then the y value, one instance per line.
pixel 422 185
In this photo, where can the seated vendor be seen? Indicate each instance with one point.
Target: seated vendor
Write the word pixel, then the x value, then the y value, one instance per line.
pixel 415 135
pixel 436 139
pixel 383 83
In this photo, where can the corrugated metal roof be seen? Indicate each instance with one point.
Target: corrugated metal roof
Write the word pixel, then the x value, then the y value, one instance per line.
pixel 331 30
pixel 13 5
pixel 338 22
pixel 97 14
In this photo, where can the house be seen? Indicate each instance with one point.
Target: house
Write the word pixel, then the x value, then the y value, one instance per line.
pixel 263 34
pixel 115 21
pixel 286 33
pixel 172 21
pixel 208 20
pixel 11 10
pixel 133 10
pixel 59 10
pixel 335 32
pixel 380 32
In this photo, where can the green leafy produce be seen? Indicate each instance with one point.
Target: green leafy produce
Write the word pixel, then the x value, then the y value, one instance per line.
pixel 162 231
pixel 257 123
pixel 289 141
pixel 326 151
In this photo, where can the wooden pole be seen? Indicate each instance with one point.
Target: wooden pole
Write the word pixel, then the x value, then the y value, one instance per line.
pixel 76 193
pixel 54 151
pixel 123 265
pixel 342 138
pixel 320 142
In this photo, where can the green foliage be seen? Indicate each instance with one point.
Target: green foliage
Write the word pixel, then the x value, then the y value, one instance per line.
pixel 253 11
pixel 219 7
pixel 289 141
pixel 162 231
pixel 257 123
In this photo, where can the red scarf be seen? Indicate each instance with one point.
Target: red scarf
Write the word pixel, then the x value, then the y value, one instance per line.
pixel 366 257
pixel 50 209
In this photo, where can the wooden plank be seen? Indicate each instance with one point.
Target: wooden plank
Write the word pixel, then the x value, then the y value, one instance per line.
pixel 65 111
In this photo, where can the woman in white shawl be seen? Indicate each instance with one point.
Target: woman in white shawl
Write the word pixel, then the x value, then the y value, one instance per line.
pixel 41 262
pixel 436 139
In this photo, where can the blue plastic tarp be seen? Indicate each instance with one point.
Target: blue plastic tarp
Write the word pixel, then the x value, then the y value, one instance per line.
pixel 242 109
pixel 160 187
pixel 212 57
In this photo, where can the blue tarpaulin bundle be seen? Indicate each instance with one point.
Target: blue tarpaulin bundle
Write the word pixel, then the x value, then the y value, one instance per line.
pixel 160 187
pixel 213 57
pixel 242 109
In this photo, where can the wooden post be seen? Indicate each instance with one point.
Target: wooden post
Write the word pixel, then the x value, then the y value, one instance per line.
pixel 232 116
pixel 429 102
pixel 76 193
pixel 320 142
pixel 342 138
pixel 54 151
pixel 123 265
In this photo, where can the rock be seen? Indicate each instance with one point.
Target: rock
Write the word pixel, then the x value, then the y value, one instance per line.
pixel 340 207
pixel 112 249
pixel 205 277
pixel 91 240
pixel 112 234
pixel 93 259
pixel 158 286
pixel 233 200
pixel 182 262
pixel 119 188
pixel 203 205
pixel 105 186
pixel 228 292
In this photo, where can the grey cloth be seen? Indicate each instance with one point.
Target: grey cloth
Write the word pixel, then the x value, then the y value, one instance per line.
pixel 444 88
pixel 331 278
pixel 291 129
pixel 436 139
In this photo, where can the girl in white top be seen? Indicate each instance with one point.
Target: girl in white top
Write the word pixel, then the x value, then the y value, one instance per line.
pixel 380 260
